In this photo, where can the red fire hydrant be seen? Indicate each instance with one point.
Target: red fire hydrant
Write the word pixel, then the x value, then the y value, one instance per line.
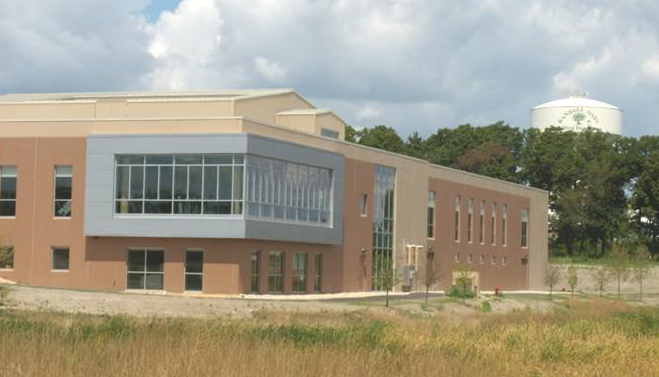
pixel 497 291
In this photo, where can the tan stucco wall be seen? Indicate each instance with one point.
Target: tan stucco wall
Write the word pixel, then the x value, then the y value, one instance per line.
pixel 264 109
pixel 332 122
pixel 299 122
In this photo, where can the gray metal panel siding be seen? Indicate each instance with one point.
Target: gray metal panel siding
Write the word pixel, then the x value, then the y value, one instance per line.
pixel 100 219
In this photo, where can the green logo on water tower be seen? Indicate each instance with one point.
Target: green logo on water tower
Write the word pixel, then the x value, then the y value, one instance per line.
pixel 579 117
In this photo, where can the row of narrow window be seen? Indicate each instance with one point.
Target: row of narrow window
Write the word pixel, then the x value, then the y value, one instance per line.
pixel 276 274
pixel 63 183
pixel 481 221
pixel 470 259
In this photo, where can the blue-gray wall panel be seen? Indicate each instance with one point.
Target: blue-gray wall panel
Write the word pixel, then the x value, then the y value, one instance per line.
pixel 100 219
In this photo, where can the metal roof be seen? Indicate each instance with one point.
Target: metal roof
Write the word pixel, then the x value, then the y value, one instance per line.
pixel 228 93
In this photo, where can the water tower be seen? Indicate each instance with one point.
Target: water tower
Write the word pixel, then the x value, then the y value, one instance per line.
pixel 576 113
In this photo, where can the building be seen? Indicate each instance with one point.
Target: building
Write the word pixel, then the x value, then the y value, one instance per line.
pixel 241 191
pixel 576 113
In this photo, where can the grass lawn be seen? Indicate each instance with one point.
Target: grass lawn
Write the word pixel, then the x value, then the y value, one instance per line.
pixel 577 337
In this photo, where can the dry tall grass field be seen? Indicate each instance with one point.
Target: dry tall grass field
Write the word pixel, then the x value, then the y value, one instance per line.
pixel 577 338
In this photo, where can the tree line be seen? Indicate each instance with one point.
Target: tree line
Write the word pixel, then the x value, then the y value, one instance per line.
pixel 603 188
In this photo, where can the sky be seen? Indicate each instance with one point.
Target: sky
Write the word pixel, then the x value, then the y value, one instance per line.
pixel 415 65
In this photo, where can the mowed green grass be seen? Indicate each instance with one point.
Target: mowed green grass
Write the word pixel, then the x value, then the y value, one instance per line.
pixel 576 338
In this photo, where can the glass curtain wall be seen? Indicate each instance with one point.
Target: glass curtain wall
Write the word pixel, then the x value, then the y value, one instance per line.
pixel 286 191
pixel 191 184
pixel 218 184
pixel 383 222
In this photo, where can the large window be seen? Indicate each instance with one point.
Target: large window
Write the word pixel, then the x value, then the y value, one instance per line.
pixel 191 184
pixel 299 272
pixel 194 270
pixel 218 184
pixel 431 214
pixel 255 271
pixel 456 236
pixel 287 191
pixel 525 227
pixel 470 215
pixel 145 269
pixel 383 222
pixel 63 184
pixel 7 190
pixel 493 230
pixel 276 271
pixel 504 217
pixel 318 284
pixel 60 259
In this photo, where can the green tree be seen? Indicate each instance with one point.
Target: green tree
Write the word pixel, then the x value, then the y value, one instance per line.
pixel 601 276
pixel 433 274
pixel 351 134
pixel 645 201
pixel 415 146
pixel 552 278
pixel 464 283
pixel 387 277
pixel 382 137
pixel 641 267
pixel 618 265
pixel 572 278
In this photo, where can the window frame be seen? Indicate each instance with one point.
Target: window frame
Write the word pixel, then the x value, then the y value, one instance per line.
pixel 457 218
pixel 481 216
pixel 504 225
pixel 363 204
pixel 493 225
pixel 236 202
pixel 9 175
pixel 54 250
pixel 432 197
pixel 318 272
pixel 255 256
pixel 470 220
pixel 146 271
pixel 524 223
pixel 57 200
pixel 186 273
pixel 297 277
pixel 280 276
pixel 10 250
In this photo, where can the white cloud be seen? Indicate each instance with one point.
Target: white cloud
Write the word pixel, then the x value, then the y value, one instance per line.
pixel 414 65
pixel 368 112
pixel 651 68
pixel 270 70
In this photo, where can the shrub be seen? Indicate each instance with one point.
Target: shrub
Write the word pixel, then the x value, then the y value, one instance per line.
pixel 459 293
pixel 486 307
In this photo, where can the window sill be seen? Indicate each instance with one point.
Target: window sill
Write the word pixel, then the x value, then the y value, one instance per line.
pixel 146 291
pixel 59 271
pixel 6 269
pixel 61 217
pixel 7 217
